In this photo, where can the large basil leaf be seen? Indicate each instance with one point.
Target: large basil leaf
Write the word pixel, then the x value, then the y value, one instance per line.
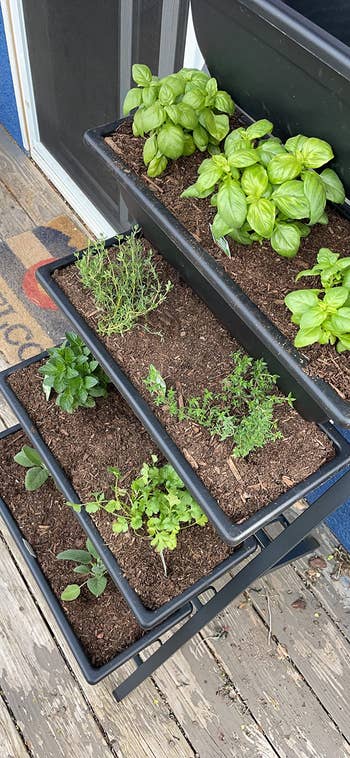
pixel 336 297
pixel 171 141
pixel 259 129
pixel 261 217
pixel 133 100
pixel 195 98
pixel 137 124
pixel 306 337
pixel 268 149
pixel 157 165
pixel 334 188
pixel 141 74
pixel 152 117
pixel 189 146
pixel 235 141
pixel 150 149
pixel 301 300
pixel 340 322
pixel 316 194
pixel 216 125
pixel 219 227
pixel 232 205
pixel 294 144
pixel 201 138
pixel 187 117
pixel 314 316
pixel 254 181
pixel 166 95
pixel 243 158
pixel 316 152
pixel 176 83
pixel 283 168
pixel 290 199
pixel 208 178
pixel 223 102
pixel 285 239
pixel 149 95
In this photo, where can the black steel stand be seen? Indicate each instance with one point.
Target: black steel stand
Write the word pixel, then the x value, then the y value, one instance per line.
pixel 274 552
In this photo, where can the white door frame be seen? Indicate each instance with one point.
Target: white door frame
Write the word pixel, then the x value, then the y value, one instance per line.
pixel 16 38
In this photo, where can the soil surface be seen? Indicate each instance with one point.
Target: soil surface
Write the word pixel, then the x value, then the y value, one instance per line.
pixel 86 443
pixel 105 626
pixel 192 351
pixel 261 273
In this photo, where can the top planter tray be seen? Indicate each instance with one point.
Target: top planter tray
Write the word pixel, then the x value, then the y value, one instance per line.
pixel 315 399
pixel 231 533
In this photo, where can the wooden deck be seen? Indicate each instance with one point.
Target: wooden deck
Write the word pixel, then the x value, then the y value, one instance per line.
pixel 265 679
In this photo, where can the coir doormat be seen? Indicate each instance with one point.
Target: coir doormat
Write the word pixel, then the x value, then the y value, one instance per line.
pixel 29 320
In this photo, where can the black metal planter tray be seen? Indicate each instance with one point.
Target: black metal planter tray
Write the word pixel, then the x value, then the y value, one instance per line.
pixel 92 674
pixel 146 618
pixel 315 399
pixel 231 533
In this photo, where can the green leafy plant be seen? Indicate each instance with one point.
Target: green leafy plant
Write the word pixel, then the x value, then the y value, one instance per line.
pixel 264 189
pixel 242 411
pixel 323 315
pixel 180 112
pixel 37 473
pixel 89 564
pixel 72 372
pixel 123 281
pixel 157 506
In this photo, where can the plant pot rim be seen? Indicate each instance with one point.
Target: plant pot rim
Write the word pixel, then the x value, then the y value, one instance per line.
pixel 92 674
pixel 231 533
pixel 322 395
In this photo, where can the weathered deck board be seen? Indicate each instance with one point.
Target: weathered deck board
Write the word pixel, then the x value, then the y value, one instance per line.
pixel 7 417
pixel 313 642
pixel 13 218
pixel 12 745
pixel 284 706
pixel 42 694
pixel 142 726
pixel 20 175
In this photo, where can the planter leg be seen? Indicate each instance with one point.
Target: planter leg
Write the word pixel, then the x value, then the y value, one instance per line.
pixel 279 551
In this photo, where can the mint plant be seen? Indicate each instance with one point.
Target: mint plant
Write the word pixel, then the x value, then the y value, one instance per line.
pixel 37 473
pixel 264 189
pixel 89 564
pixel 180 112
pixel 243 410
pixel 72 372
pixel 156 506
pixel 123 281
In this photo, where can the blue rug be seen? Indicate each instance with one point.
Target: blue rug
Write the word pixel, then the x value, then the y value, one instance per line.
pixel 339 521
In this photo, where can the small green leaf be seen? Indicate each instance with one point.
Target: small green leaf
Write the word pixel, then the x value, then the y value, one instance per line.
pixel 232 204
pixel 150 149
pixel 97 585
pixel 301 300
pixel 157 165
pixel 243 158
pixel 35 478
pixel 141 74
pixel 283 168
pixel 187 116
pixel 83 570
pixel 133 100
pixel 80 556
pixel 336 297
pixel 335 191
pixel 200 137
pixel 219 227
pixel 223 102
pixel 306 337
pixel 254 181
pixel 71 592
pixel 261 217
pixel 294 144
pixel 259 129
pixel 91 549
pixel 152 117
pixel 268 148
pixel 316 152
pixel 291 200
pixel 315 193
pixel 195 98
pixel 285 239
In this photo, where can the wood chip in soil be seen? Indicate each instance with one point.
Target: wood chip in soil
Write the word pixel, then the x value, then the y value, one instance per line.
pixel 265 276
pixel 193 353
pixel 85 444
pixel 105 626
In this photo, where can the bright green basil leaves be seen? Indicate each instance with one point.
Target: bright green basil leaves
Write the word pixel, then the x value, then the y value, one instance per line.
pixel 181 113
pixel 266 190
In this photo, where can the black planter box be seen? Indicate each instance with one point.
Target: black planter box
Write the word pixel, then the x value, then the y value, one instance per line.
pixel 92 674
pixel 231 533
pixel 315 399
pixel 146 618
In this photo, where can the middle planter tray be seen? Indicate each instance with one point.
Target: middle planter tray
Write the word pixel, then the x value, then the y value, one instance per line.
pixel 232 533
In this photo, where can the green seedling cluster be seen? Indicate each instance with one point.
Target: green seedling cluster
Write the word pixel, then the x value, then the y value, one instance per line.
pixel 156 506
pixel 89 565
pixel 72 372
pixel 323 315
pixel 242 411
pixel 37 473
pixel 123 282
pixel 266 190
pixel 180 113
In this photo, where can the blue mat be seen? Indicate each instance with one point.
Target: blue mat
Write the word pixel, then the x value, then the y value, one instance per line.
pixel 339 521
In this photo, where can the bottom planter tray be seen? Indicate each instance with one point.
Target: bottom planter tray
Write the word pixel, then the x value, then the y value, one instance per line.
pixel 146 617
pixel 92 673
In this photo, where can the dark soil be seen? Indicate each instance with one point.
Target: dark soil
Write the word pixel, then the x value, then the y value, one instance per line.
pixel 261 273
pixel 86 443
pixel 192 353
pixel 105 626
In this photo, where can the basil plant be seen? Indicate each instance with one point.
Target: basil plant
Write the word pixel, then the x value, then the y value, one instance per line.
pixel 264 189
pixel 323 315
pixel 180 112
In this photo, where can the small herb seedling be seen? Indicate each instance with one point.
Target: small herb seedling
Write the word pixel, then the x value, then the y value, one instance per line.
pixel 157 506
pixel 89 564
pixel 242 411
pixel 331 268
pixel 180 112
pixel 72 372
pixel 123 282
pixel 323 316
pixel 37 473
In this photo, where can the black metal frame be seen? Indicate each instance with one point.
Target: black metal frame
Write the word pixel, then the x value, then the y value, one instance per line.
pixel 315 399
pixel 146 618
pixel 231 533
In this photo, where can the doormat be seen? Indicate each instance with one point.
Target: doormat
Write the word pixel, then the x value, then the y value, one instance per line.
pixel 29 321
